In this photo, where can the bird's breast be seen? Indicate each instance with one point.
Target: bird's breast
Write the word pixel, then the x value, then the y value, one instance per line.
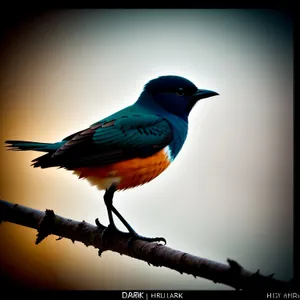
pixel 128 173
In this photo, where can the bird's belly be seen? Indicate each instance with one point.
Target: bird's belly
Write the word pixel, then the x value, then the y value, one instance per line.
pixel 127 174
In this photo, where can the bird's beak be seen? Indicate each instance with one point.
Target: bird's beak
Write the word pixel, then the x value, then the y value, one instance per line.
pixel 201 94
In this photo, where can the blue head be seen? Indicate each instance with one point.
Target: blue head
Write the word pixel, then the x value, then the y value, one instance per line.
pixel 176 94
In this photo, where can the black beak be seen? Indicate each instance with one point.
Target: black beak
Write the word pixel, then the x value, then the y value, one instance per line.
pixel 201 94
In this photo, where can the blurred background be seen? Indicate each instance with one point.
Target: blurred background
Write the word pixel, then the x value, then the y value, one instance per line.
pixel 229 193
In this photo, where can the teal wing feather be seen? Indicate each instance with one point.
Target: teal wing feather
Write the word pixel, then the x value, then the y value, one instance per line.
pixel 119 137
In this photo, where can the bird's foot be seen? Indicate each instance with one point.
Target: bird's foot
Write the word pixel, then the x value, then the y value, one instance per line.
pixel 132 234
pixel 135 236
pixel 107 230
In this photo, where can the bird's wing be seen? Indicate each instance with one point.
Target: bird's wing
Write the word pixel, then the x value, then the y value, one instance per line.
pixel 114 140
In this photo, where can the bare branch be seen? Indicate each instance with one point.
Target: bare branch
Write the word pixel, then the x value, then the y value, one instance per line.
pixel 231 274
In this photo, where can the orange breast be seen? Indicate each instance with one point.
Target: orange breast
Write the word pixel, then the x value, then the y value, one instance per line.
pixel 126 174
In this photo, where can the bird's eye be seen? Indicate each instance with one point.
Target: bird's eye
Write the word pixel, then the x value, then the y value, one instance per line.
pixel 180 92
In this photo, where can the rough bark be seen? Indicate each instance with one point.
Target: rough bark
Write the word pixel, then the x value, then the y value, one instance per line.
pixel 46 223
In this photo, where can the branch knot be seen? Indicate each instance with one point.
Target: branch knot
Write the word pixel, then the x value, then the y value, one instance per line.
pixel 45 226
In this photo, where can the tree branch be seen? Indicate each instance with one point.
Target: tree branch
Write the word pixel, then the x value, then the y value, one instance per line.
pixel 156 254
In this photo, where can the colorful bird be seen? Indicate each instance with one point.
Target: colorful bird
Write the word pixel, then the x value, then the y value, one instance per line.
pixel 130 147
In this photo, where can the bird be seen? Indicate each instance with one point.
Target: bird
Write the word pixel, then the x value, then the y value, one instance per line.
pixel 128 148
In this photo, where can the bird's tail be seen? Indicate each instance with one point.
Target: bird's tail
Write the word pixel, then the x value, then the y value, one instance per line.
pixel 35 146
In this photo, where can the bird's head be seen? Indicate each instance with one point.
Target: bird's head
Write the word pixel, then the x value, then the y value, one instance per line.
pixel 176 94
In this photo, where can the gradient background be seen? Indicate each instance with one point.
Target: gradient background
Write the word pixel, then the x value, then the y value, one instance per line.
pixel 229 193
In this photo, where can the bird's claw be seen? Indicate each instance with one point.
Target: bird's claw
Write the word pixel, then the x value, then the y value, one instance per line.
pixel 134 236
pixel 106 230
pixel 99 225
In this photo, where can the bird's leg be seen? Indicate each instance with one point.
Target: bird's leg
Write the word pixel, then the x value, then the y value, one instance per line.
pixel 108 199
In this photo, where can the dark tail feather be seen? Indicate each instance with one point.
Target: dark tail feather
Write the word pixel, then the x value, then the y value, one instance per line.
pixel 43 161
pixel 27 145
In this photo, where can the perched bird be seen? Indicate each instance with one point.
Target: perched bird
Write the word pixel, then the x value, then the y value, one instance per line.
pixel 130 147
